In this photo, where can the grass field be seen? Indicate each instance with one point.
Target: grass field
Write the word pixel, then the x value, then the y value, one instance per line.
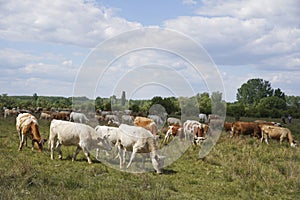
pixel 239 168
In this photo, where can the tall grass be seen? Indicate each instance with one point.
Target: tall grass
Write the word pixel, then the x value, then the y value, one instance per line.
pixel 236 168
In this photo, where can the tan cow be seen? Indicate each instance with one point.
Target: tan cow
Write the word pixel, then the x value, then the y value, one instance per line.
pixel 146 123
pixel 278 133
pixel 27 125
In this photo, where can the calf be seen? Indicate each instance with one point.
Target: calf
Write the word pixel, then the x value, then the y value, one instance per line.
pixel 27 125
pixel 76 134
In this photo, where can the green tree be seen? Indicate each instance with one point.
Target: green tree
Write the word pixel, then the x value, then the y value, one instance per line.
pixel 236 110
pixel 254 90
pixel 279 93
pixel 204 103
pixel 35 98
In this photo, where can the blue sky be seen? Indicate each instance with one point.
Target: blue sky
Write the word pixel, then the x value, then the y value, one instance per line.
pixel 45 45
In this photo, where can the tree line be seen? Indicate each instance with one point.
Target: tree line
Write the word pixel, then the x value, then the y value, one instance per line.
pixel 255 98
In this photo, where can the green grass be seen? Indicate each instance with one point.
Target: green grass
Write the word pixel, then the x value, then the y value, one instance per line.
pixel 238 168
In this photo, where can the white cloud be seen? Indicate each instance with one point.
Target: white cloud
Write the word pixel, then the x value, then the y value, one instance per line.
pixel 244 32
pixel 67 22
pixel 189 2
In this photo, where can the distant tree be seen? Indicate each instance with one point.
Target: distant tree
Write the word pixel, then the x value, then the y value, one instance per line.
pixel 204 103
pixel 236 110
pixel 218 105
pixel 254 90
pixel 279 93
pixel 271 106
pixel 123 98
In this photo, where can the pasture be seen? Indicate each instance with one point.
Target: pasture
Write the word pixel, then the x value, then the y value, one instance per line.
pixel 236 168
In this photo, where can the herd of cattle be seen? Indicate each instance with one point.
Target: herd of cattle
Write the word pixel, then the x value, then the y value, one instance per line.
pixel 134 134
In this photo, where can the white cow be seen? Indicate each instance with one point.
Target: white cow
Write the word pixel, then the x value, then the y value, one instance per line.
pixel 78 117
pixel 203 118
pixel 157 119
pixel 111 117
pixel 127 119
pixel 194 131
pixel 173 121
pixel 139 140
pixel 107 131
pixel 75 134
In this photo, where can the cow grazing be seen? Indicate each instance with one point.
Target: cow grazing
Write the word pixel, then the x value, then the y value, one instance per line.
pixel 279 133
pixel 138 140
pixel 75 134
pixel 157 119
pixel 228 126
pixel 173 121
pixel 78 117
pixel 111 117
pixel 111 133
pixel 127 119
pixel 27 125
pixel 194 130
pixel 45 115
pixel 146 123
pixel 63 115
pixel 114 123
pixel 203 118
pixel 174 130
pixel 245 128
pixel 8 112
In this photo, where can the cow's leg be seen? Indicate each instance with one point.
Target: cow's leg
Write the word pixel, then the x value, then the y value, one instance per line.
pixel 21 142
pixel 76 153
pixel 58 147
pixel 87 154
pixel 52 149
pixel 143 162
pixel 281 139
pixel 97 153
pixel 262 136
pixel 134 150
pixel 32 143
pixel 266 138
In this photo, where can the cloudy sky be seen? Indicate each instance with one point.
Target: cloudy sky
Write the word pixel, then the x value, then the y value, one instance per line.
pixel 170 47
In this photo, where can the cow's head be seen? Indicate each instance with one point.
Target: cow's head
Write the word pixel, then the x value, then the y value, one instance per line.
pixel 294 144
pixel 104 143
pixel 158 163
pixel 40 144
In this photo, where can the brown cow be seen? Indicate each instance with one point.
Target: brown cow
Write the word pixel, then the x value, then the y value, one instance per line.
pixel 245 128
pixel 62 115
pixel 175 130
pixel 228 126
pixel 27 125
